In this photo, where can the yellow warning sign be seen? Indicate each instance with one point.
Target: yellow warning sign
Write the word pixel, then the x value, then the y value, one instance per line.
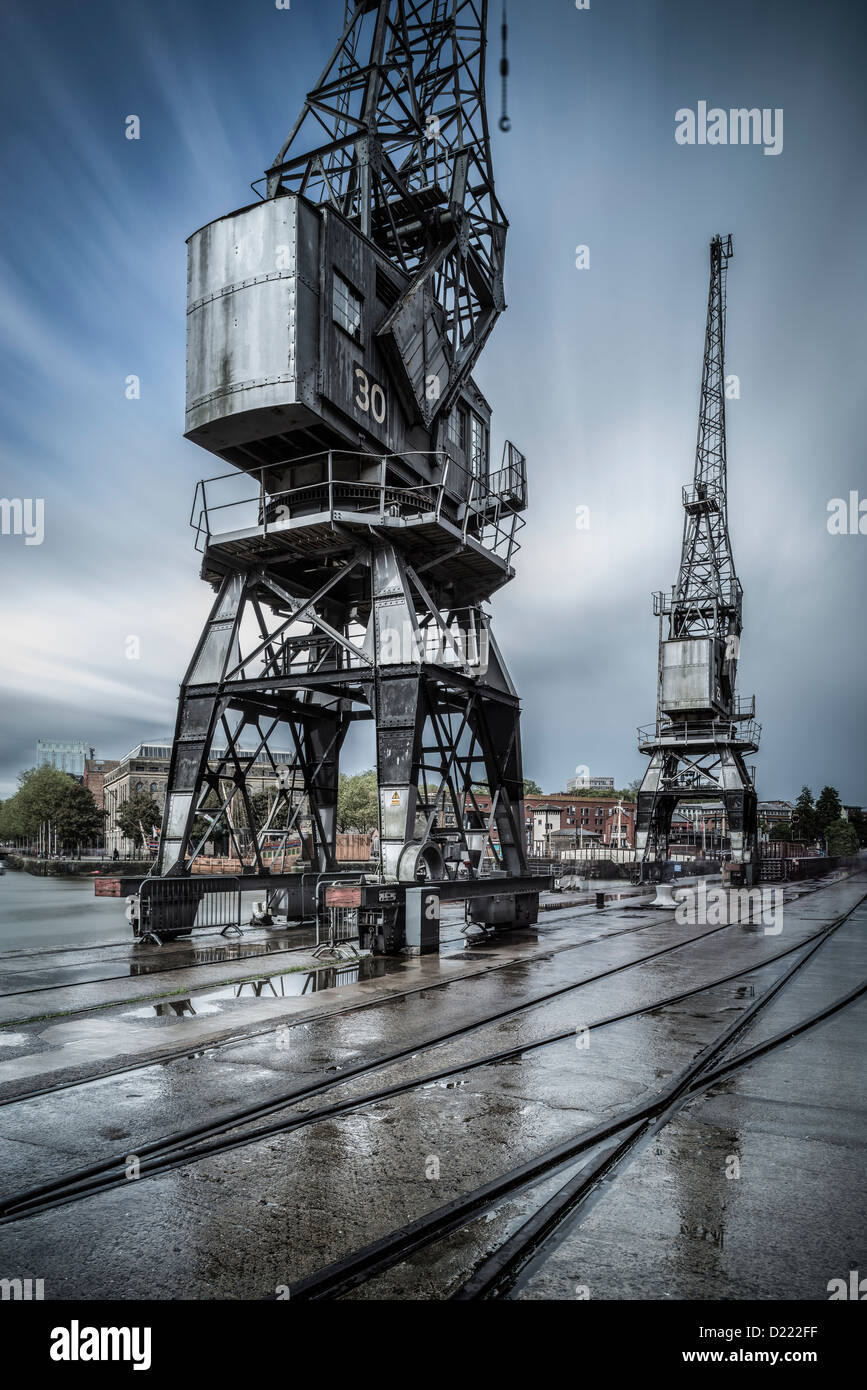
pixel 395 800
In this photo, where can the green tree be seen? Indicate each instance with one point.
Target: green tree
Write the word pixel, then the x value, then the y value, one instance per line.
pixel 203 826
pixel 531 788
pixel 78 819
pixel 806 826
pixel 857 820
pixel 262 802
pixel 45 795
pixel 841 838
pixel 137 816
pixel 40 794
pixel 781 831
pixel 11 824
pixel 357 802
pixel 828 808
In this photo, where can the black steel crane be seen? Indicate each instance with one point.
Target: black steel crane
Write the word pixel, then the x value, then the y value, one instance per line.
pixel 703 729
pixel 332 331
pixel 394 137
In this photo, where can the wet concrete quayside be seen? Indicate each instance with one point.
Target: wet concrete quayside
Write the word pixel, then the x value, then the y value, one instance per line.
pixel 753 1190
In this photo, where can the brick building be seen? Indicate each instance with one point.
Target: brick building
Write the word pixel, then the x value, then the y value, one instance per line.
pixel 95 772
pixel 580 819
pixel 584 817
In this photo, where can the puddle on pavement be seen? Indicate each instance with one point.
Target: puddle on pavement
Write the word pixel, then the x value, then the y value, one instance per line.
pixel 280 986
pixel 713 1235
pixel 471 955
pixel 38 977
pixel 180 958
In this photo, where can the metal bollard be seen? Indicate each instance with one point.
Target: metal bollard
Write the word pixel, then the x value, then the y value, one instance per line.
pixel 600 899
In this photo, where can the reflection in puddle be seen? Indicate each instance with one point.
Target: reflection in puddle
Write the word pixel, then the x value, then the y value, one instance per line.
pixel 284 985
pixel 212 954
pixel 174 1008
pixel 713 1235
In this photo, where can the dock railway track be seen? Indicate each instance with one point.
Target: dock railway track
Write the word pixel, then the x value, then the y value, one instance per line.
pixel 239 1040
pixel 236 1040
pixel 244 1126
pixel 621 1138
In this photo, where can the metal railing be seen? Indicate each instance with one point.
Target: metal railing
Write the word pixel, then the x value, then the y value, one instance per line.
pixel 789 849
pixel 666 601
pixel 707 731
pixel 704 497
pixel 793 867
pixel 510 479
pixel 616 854
pixel 484 509
pixel 272 856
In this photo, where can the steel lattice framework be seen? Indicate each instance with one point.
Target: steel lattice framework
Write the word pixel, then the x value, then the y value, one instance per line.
pixel 395 137
pixel 703 729
pixel 707 596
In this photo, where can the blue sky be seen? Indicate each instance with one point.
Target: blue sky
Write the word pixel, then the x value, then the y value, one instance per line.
pixel 594 373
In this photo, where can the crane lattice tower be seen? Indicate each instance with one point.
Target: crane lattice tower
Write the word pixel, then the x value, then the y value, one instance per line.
pixel 704 729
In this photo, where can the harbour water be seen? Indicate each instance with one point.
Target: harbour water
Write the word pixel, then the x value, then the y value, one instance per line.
pixel 39 913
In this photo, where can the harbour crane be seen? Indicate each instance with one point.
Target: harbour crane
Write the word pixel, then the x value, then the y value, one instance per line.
pixel 704 730
pixel 362 528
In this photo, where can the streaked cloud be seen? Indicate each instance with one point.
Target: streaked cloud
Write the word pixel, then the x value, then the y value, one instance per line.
pixel 594 374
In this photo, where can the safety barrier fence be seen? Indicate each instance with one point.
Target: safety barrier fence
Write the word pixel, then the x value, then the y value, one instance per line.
pixel 336 924
pixel 172 905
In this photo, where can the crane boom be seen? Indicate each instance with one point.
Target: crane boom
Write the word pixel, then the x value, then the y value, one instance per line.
pixel 394 136
pixel 703 728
